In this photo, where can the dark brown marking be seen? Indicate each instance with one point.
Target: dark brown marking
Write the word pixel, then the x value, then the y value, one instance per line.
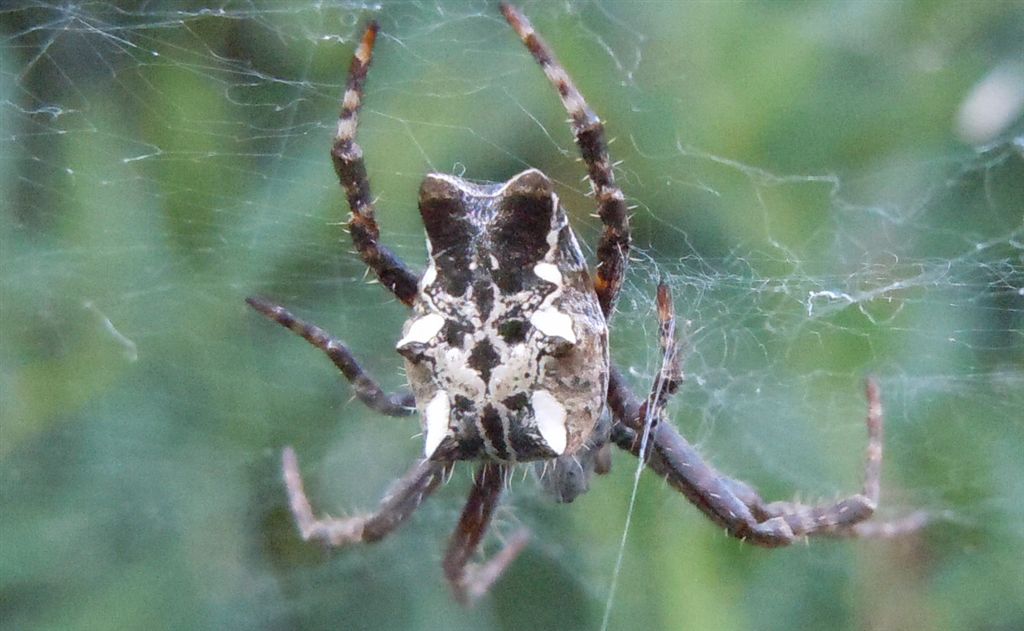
pixel 483 295
pixel 483 359
pixel 454 332
pixel 520 230
pixel 450 228
pixel 494 433
pixel 513 331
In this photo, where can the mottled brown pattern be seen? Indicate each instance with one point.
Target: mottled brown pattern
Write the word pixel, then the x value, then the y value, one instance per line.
pixel 485 243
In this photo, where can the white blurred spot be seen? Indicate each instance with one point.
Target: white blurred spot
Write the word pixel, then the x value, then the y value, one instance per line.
pixel 992 104
pixel 350 100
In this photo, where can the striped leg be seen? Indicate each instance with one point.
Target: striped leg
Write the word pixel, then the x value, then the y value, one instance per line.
pixel 348 164
pixel 670 375
pixel 468 581
pixel 638 415
pixel 613 247
pixel 400 502
pixel 366 389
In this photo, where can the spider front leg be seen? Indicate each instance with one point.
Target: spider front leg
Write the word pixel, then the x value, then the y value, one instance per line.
pixel 613 246
pixel 366 389
pixel 347 157
pixel 470 582
pixel 405 497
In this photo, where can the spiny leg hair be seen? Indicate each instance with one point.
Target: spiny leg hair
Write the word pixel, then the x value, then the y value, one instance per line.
pixel 470 581
pixel 351 170
pixel 396 506
pixel 366 389
pixel 613 246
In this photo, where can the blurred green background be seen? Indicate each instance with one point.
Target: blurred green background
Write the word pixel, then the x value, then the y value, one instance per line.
pixel 801 180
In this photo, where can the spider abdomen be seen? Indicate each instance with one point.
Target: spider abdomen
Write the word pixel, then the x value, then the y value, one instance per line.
pixel 506 349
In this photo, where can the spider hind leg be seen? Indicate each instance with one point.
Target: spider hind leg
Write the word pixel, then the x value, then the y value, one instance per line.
pixel 396 506
pixel 471 581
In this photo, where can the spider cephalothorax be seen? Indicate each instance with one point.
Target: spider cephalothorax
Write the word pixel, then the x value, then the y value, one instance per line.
pixel 507 349
pixel 507 355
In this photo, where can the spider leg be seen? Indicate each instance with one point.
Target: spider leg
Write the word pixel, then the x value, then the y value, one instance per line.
pixel 671 457
pixel 613 246
pixel 678 461
pixel 791 511
pixel 730 503
pixel 845 517
pixel 870 529
pixel 468 581
pixel 670 375
pixel 399 503
pixel 666 382
pixel 351 170
pixel 735 506
pixel 366 389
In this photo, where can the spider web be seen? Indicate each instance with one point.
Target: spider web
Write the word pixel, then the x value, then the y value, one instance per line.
pixel 830 192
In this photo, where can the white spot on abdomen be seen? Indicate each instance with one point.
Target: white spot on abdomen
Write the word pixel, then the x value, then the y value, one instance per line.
pixel 436 412
pixel 548 272
pixel 554 323
pixel 550 417
pixel 422 330
pixel 429 276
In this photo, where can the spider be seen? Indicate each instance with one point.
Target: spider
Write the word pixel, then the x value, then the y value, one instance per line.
pixel 506 353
